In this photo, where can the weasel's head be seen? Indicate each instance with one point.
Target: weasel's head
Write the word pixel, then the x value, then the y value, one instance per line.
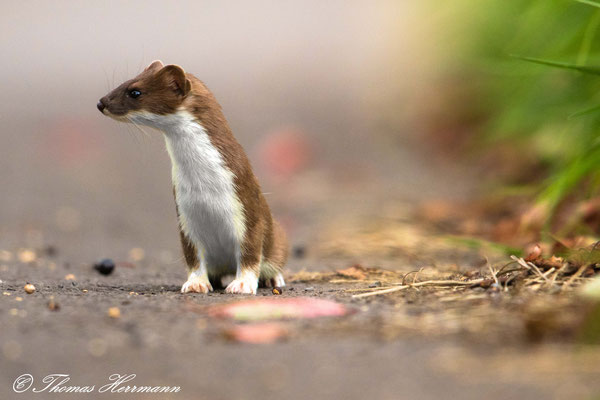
pixel 158 91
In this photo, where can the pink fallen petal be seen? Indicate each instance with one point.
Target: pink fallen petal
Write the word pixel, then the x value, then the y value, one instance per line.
pixel 256 333
pixel 287 308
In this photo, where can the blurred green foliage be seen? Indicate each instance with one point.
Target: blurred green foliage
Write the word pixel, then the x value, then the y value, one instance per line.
pixel 536 66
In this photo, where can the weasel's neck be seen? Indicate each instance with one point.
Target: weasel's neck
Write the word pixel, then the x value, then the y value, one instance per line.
pixel 197 163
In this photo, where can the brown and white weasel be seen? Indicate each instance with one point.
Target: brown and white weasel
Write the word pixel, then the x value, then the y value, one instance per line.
pixel 225 224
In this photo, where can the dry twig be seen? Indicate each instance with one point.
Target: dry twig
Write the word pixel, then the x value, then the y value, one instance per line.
pixel 420 284
pixel 573 278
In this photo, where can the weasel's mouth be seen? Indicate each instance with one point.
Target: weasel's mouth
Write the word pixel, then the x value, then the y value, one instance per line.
pixel 120 118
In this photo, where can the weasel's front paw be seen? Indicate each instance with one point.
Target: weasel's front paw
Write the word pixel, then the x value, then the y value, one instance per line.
pixel 245 285
pixel 196 284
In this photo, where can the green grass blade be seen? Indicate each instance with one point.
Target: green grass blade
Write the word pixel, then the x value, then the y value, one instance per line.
pixel 558 64
pixel 476 243
pixel 584 112
pixel 589 3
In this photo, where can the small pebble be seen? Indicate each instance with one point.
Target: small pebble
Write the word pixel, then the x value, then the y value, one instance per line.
pixel 309 289
pixel 52 304
pixel 26 255
pixel 114 312
pixel 29 288
pixel 299 251
pixel 50 251
pixel 277 290
pixel 105 266
pixel 375 284
pixel 136 254
pixel 69 277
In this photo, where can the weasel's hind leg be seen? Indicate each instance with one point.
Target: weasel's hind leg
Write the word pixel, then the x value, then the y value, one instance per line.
pixel 274 258
pixel 276 277
pixel 276 281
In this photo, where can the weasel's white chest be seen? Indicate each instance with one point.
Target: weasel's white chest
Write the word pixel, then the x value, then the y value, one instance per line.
pixel 211 214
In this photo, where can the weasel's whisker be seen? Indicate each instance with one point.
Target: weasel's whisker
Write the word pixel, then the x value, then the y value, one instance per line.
pixel 142 63
pixel 139 128
pixel 107 80
pixel 132 135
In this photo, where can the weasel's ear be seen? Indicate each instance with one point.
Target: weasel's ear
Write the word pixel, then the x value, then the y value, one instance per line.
pixel 176 76
pixel 154 66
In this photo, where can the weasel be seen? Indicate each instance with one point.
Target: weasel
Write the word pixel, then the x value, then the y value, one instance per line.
pixel 225 224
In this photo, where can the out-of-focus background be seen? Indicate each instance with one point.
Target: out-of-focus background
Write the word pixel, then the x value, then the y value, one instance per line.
pixel 319 94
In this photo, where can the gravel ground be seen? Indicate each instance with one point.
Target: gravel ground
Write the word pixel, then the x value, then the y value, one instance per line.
pixel 168 339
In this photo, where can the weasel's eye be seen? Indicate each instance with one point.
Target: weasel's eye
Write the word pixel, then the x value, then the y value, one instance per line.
pixel 134 93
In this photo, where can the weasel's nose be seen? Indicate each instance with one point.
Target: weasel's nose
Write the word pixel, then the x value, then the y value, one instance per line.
pixel 101 106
